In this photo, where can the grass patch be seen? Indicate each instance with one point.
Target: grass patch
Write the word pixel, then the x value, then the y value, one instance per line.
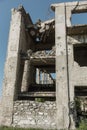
pixel 83 125
pixel 13 128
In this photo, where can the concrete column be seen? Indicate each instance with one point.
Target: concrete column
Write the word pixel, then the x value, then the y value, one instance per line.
pixel 68 16
pixel 70 68
pixel 37 76
pixel 47 78
pixel 25 78
pixel 50 80
pixel 19 39
pixel 62 95
pixel 71 85
pixel 42 77
pixel 12 66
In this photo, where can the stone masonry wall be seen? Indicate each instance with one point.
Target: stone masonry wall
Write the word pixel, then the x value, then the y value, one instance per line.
pixel 34 114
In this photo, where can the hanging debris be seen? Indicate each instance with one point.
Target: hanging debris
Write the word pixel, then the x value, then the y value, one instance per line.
pixel 40 31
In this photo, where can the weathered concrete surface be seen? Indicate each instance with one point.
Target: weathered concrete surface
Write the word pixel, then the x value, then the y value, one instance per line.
pixel 10 69
pixel 13 66
pixel 74 7
pixel 19 73
pixel 68 74
pixel 61 69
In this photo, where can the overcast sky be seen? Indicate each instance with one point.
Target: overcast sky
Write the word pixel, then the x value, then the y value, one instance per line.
pixel 36 8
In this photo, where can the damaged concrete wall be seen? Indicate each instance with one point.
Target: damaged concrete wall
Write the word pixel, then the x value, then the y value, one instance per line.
pixel 13 69
pixel 68 75
pixel 19 73
pixel 79 73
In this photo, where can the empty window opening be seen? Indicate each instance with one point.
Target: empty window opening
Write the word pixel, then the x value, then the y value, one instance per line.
pixel 43 87
pixel 80 55
pixel 81 91
pixel 80 18
pixel 39 75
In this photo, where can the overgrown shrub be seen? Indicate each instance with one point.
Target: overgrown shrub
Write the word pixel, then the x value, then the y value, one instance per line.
pixel 83 125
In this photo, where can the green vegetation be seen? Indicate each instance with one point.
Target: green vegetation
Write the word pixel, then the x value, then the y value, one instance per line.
pixel 11 128
pixel 83 126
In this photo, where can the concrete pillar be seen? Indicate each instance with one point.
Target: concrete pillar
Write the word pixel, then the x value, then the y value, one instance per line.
pixel 40 77
pixel 19 39
pixel 37 76
pixel 29 76
pixel 48 78
pixel 43 77
pixel 70 68
pixel 25 78
pixel 62 95
pixel 68 16
pixel 11 68
pixel 71 86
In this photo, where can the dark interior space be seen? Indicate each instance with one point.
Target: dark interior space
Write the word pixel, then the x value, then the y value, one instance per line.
pixel 80 54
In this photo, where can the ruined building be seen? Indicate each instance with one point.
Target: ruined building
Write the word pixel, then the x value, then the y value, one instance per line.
pixel 32 96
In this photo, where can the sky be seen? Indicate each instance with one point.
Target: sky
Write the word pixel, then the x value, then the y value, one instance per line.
pixel 38 9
